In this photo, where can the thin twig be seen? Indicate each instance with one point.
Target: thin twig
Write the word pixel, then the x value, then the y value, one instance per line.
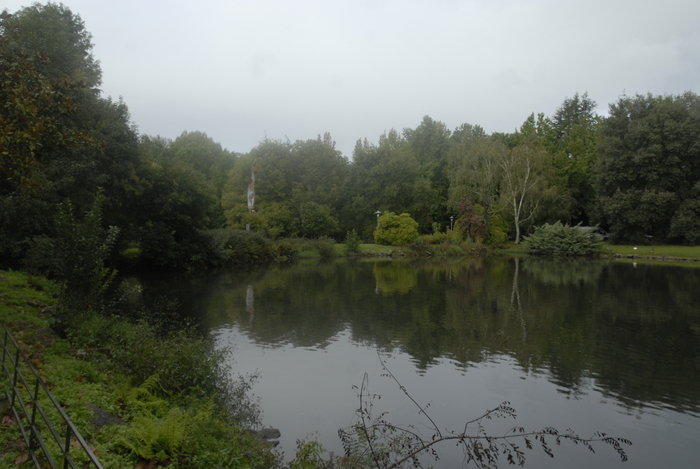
pixel 401 386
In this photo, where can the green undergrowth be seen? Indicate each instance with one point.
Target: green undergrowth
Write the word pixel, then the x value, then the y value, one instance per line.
pixel 176 399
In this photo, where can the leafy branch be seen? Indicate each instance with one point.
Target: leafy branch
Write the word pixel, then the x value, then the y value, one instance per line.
pixel 387 446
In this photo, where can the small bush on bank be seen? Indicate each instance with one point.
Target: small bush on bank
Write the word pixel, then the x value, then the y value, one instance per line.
pixel 559 240
pixel 75 257
pixel 285 250
pixel 352 242
pixel 428 246
pixel 325 247
pixel 225 247
pixel 395 230
pixel 498 231
pixel 435 238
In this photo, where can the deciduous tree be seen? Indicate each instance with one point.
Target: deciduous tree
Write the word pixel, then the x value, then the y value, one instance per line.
pixel 475 165
pixel 525 183
pixel 650 168
pixel 573 141
pixel 34 109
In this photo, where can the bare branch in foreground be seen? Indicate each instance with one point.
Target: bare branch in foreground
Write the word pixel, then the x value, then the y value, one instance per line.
pixel 387 446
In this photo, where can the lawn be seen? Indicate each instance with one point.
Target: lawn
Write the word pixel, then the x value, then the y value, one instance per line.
pixel 678 252
pixel 668 252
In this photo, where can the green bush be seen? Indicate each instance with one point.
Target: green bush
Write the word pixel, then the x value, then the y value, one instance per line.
pixel 395 230
pixel 76 258
pixel 418 245
pixel 325 247
pixel 192 436
pixel 352 242
pixel 222 247
pixel 436 238
pixel 285 249
pixel 316 220
pixel 559 240
pixel 498 230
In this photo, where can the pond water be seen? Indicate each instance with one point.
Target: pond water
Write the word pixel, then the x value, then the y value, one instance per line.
pixel 587 345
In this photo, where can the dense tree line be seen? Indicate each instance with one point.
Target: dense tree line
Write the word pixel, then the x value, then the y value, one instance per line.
pixel 635 172
pixel 62 141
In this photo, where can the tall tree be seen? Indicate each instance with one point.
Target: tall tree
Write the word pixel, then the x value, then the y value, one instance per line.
pixel 48 106
pixel 649 170
pixel 573 111
pixel 430 142
pixel 573 139
pixel 475 165
pixel 526 183
pixel 57 33
pixel 34 112
pixel 385 177
pixel 203 154
pixel 287 176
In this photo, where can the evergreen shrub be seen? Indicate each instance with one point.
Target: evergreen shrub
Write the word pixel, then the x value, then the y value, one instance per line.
pixel 559 240
pixel 352 242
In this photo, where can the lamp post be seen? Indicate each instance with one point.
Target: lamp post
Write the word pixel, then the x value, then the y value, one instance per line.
pixel 377 213
pixel 452 219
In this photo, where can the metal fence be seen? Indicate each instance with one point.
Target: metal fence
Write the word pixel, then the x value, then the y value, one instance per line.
pixel 29 400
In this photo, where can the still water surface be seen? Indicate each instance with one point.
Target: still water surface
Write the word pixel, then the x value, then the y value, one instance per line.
pixel 587 345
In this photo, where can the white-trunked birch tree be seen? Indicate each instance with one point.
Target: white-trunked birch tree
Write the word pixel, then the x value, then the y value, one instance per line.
pixel 526 174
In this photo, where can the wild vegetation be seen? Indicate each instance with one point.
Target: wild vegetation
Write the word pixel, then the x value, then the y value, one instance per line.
pixel 379 443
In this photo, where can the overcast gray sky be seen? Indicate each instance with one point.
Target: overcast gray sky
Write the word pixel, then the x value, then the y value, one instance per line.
pixel 243 70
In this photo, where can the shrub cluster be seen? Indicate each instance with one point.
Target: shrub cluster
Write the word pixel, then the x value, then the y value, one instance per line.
pixel 559 240
pixel 225 247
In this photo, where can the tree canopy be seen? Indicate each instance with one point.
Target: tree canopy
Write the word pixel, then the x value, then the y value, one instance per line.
pixel 649 169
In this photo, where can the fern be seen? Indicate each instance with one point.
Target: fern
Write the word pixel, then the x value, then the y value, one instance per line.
pixel 162 439
pixel 143 400
pixel 157 438
pixel 158 431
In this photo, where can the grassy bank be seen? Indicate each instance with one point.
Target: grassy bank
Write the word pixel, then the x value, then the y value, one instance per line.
pixel 665 253
pixel 671 252
pixel 425 246
pixel 170 400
